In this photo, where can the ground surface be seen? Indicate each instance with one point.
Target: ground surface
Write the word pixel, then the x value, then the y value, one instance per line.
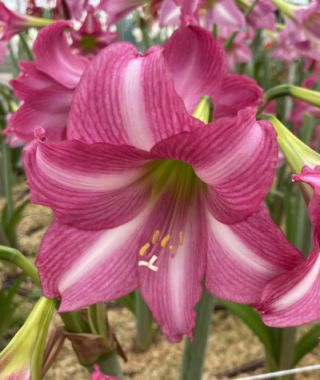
pixel 231 344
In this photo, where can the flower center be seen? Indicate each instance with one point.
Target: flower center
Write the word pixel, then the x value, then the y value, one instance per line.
pixel 175 192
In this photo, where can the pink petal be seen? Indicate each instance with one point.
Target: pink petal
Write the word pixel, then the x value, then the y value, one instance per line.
pixel 236 158
pixel 292 298
pixel 88 186
pixel 197 63
pixel 54 56
pixel 46 104
pixel 173 290
pixel 169 13
pixel 118 9
pixel 226 14
pixel 312 177
pixel 243 257
pixel 236 92
pixel 126 98
pixel 87 267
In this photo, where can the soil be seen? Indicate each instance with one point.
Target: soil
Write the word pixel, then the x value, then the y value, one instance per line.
pixel 230 344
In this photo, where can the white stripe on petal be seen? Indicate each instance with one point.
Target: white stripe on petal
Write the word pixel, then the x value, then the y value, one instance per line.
pixel 238 250
pixel 222 10
pixel 300 290
pixel 132 106
pixel 108 244
pixel 177 276
pixel 87 181
pixel 230 163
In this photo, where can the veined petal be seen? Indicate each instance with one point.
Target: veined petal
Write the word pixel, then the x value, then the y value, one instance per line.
pixel 58 61
pixel 197 63
pixel 173 287
pixel 126 98
pixel 31 114
pixel 86 267
pixel 291 299
pixel 243 257
pixel 236 93
pixel 311 176
pixel 235 157
pixel 88 186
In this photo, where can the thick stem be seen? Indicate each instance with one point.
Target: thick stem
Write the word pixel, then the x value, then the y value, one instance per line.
pixel 110 365
pixel 194 352
pixel 26 47
pixel 16 257
pixel 7 180
pixel 288 339
pixel 144 332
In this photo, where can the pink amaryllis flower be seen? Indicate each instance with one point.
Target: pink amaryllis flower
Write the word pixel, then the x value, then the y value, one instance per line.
pixel 147 196
pixel 12 22
pixel 118 9
pixel 46 86
pixel 91 37
pixel 224 13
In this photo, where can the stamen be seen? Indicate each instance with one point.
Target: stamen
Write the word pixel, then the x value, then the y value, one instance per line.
pixel 144 249
pixel 165 240
pixel 172 248
pixel 181 238
pixel 155 237
pixel 149 264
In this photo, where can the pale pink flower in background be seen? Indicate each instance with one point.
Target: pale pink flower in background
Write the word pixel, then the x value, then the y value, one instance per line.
pixel 11 22
pixel 118 9
pixel 91 37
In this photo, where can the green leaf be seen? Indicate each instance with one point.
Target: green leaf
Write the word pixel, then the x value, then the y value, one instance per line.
pixel 306 343
pixel 7 305
pixel 10 226
pixel 252 319
pixel 128 302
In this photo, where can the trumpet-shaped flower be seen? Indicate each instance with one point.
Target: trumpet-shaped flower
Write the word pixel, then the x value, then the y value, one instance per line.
pixel 147 196
pixel 12 23
pixel 22 358
pixel 46 86
pixel 118 9
pixel 290 298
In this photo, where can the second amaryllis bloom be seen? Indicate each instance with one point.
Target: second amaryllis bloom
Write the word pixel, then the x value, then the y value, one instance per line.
pixel 147 196
pixel 46 86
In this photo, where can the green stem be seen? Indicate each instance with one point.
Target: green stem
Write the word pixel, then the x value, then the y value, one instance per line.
pixel 288 339
pixel 194 352
pixel 74 323
pixel 7 180
pixel 308 96
pixel 110 365
pixel 144 332
pixel 26 47
pixel 97 316
pixel 16 257
pixel 14 60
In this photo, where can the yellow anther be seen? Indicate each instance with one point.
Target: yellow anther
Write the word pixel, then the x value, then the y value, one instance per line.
pixel 181 238
pixel 165 240
pixel 155 237
pixel 144 249
pixel 172 248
